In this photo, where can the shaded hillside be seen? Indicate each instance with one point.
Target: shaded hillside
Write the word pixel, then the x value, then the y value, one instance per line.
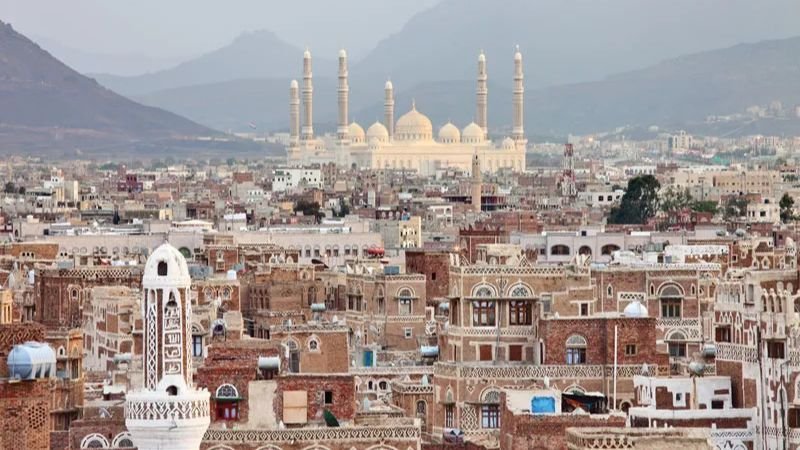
pixel 46 106
pixel 259 54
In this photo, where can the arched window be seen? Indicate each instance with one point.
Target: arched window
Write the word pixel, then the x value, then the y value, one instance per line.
pixel 172 390
pixel 490 409
pixel 520 291
pixel 421 408
pixel 559 250
pixel 585 250
pixel 609 249
pixel 576 349
pixel 483 291
pixel 227 401
pixel 676 343
pixel 671 301
pixel 162 268
pixel 123 440
pixel 313 344
pixel 94 441
pixel 609 291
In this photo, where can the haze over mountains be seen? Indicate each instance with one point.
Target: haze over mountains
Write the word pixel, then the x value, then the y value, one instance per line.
pixel 433 59
pixel 45 105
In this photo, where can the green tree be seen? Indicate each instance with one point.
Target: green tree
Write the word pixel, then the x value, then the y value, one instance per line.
pixel 709 206
pixel 230 162
pixel 787 208
pixel 308 208
pixel 10 188
pixel 672 200
pixel 639 203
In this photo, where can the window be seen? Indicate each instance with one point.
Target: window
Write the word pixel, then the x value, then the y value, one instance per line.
pixel 485 353
pixel 776 349
pixel 328 397
pixel 576 349
pixel 630 349
pixel 559 250
pixel 583 309
pixel 490 416
pixel 671 307
pixel 722 334
pixel 405 306
pixel 162 268
pixel 313 345
pixel 483 313
pixel 794 418
pixel 449 416
pixel 609 291
pixel 519 313
pixel 717 404
pixel 515 353
pixel 677 349
pixel 197 345
pixel 421 408
pixel 408 333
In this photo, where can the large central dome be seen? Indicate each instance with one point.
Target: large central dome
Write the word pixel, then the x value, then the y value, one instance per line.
pixel 413 126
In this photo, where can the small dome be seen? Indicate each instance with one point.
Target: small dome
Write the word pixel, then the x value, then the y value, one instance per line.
pixel 414 126
pixel 388 85
pixel 635 309
pixel 307 54
pixel 481 57
pixel 342 53
pixel 449 134
pixel 517 55
pixel 508 143
pixel 356 132
pixel 472 133
pixel 166 267
pixel 377 131
pixel 293 84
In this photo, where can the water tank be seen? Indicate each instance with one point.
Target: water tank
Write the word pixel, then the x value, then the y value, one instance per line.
pixel 31 360
pixel 231 275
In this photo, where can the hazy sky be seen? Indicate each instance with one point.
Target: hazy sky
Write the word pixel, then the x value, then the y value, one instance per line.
pixel 182 28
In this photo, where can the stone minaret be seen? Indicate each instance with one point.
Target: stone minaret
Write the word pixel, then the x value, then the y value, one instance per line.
pixel 344 91
pixel 168 412
pixel 308 96
pixel 518 132
pixel 294 114
pixel 482 113
pixel 388 109
pixel 477 183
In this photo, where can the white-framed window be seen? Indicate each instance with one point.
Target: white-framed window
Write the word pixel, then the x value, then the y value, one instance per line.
pixel 408 333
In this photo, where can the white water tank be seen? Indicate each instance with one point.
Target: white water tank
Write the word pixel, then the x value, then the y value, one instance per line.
pixel 32 360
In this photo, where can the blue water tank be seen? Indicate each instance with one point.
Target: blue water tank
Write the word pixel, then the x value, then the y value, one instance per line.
pixel 31 360
pixel 391 270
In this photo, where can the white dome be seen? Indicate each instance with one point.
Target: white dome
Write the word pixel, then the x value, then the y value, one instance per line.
pixel 414 126
pixel 377 131
pixel 342 53
pixel 388 85
pixel 508 143
pixel 517 55
pixel 293 84
pixel 356 132
pixel 472 133
pixel 635 309
pixel 449 134
pixel 307 54
pixel 166 267
pixel 481 57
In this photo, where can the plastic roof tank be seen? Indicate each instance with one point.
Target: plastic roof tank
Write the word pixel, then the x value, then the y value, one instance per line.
pixel 31 361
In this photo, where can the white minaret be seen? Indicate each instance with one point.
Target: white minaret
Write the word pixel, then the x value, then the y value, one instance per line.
pixel 518 132
pixel 482 93
pixel 294 114
pixel 307 132
pixel 168 412
pixel 388 108
pixel 344 90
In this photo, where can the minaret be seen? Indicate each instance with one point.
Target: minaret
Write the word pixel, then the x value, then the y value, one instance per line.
pixel 482 114
pixel 308 96
pixel 388 109
pixel 294 114
pixel 477 183
pixel 518 132
pixel 168 412
pixel 344 91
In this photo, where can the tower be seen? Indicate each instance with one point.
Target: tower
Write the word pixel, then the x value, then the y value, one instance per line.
pixel 482 93
pixel 168 412
pixel 568 187
pixel 518 132
pixel 294 114
pixel 477 183
pixel 343 91
pixel 388 108
pixel 308 96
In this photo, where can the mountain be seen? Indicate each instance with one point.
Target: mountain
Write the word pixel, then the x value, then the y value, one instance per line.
pixel 566 42
pixel 128 64
pixel 259 54
pixel 47 107
pixel 677 92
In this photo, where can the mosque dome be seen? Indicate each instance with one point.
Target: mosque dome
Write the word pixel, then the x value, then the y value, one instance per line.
pixel 414 126
pixel 377 131
pixel 166 267
pixel 356 133
pixel 449 134
pixel 508 143
pixel 472 134
pixel 635 309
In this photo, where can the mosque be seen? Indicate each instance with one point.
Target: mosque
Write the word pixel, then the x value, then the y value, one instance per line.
pixel 408 143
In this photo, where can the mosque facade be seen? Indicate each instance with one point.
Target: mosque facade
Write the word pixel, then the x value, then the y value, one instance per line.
pixel 408 143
